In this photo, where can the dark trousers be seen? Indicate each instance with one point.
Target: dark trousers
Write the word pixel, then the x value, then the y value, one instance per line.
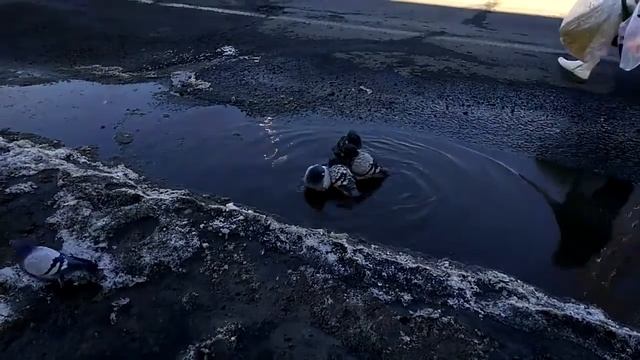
pixel 615 43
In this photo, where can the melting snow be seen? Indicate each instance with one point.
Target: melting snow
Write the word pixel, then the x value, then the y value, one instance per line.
pixel 392 276
pixel 22 188
pixel 187 79
pixel 228 51
pixel 5 311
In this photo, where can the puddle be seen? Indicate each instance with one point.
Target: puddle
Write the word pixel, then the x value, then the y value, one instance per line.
pixel 566 231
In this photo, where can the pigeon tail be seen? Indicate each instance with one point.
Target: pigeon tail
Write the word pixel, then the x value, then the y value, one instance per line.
pixel 79 264
pixel 380 172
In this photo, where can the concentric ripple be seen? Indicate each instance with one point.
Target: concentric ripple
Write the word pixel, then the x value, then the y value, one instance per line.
pixel 443 199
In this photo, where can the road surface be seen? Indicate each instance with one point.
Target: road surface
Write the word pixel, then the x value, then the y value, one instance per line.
pixel 501 161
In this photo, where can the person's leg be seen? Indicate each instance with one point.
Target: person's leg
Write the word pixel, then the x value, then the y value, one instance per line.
pixel 578 68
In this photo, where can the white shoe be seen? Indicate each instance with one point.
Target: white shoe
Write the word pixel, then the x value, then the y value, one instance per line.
pixel 576 67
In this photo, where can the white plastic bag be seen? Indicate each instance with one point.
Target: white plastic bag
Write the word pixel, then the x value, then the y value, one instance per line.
pixel 587 31
pixel 630 57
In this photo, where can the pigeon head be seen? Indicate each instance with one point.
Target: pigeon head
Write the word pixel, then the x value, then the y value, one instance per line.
pixel 22 248
pixel 350 152
pixel 314 177
pixel 354 139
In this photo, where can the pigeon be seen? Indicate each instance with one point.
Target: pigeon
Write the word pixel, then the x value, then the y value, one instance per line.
pixel 351 138
pixel 361 164
pixel 323 178
pixel 48 264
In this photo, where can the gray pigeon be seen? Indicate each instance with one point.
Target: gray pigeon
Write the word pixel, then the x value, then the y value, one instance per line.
pixel 322 178
pixel 48 264
pixel 362 164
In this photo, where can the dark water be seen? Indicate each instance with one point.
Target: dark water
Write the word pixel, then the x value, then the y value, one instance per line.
pixel 568 231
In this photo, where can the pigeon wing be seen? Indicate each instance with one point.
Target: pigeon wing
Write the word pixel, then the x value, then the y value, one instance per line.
pixel 44 262
pixel 342 179
pixel 362 164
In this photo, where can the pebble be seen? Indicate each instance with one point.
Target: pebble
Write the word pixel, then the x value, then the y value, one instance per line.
pixel 123 138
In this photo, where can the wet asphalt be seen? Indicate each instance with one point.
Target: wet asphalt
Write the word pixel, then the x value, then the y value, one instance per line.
pixel 489 81
pixel 497 96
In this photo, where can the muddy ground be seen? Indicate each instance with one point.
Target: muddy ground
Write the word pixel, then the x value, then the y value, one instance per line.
pixel 194 276
pixel 188 276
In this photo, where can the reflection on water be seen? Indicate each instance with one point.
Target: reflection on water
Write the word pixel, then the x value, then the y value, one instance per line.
pixel 586 213
pixel 586 218
pixel 551 226
pixel 317 200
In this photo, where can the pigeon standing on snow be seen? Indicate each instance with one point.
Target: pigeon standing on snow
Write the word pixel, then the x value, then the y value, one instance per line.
pixel 322 178
pixel 48 264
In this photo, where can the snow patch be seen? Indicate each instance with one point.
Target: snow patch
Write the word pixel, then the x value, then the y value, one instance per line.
pixel 396 276
pixel 227 334
pixel 22 188
pixel 83 228
pixel 390 275
pixel 25 158
pixel 96 69
pixel 6 313
pixel 113 317
pixel 187 80
pixel 13 277
pixel 228 51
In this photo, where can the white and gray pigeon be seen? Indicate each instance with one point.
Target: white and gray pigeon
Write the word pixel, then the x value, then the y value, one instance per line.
pixel 323 178
pixel 362 164
pixel 48 264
